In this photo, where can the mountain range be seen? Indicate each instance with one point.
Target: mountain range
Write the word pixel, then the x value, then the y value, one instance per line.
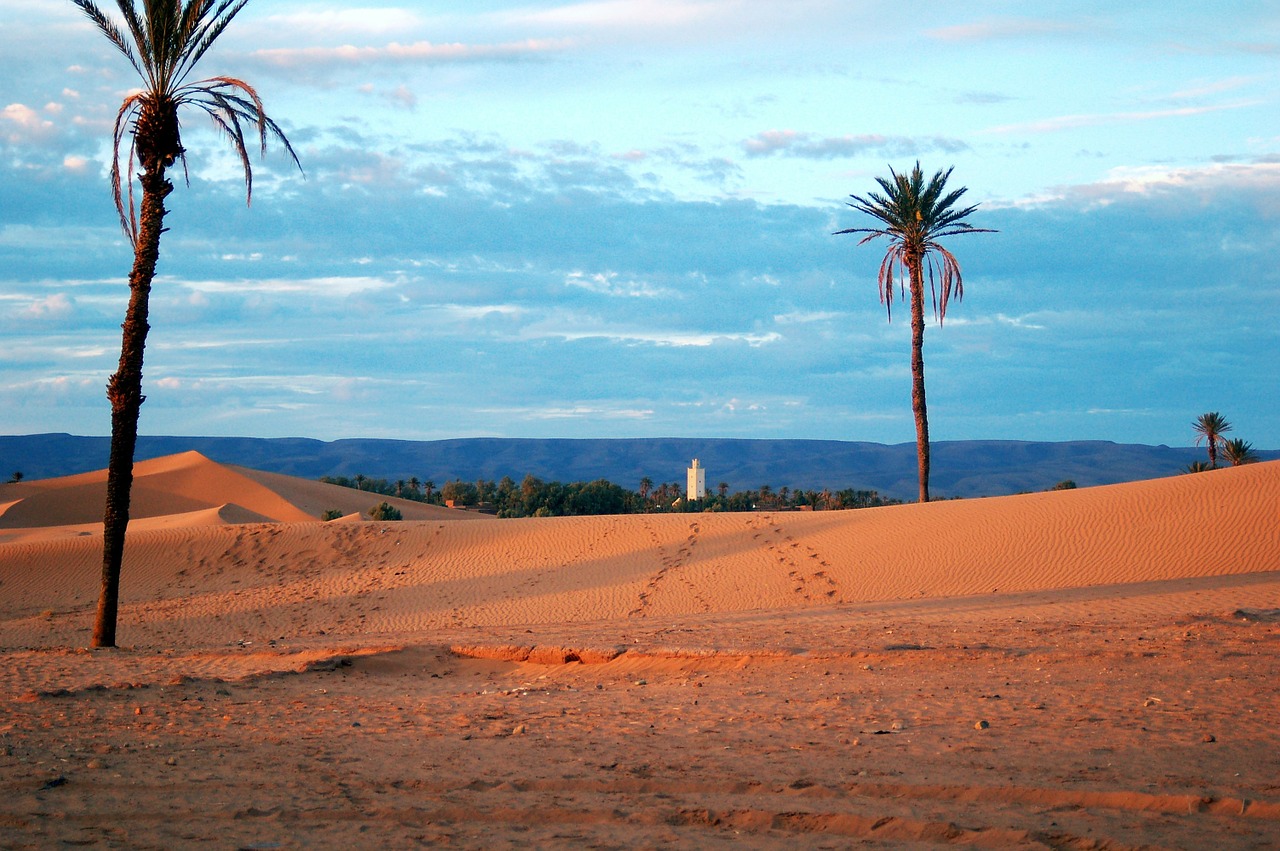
pixel 971 468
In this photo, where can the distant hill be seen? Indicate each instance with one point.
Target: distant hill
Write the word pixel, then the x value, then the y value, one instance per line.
pixel 960 468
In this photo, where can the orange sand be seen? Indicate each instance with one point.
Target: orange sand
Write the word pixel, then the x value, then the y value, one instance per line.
pixel 1074 669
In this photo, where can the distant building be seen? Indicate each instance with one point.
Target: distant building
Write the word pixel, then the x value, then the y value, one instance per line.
pixel 697 488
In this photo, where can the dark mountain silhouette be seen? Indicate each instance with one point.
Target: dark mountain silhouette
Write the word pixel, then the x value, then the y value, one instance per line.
pixel 960 468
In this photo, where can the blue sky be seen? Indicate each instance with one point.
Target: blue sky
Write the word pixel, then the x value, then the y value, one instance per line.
pixel 613 219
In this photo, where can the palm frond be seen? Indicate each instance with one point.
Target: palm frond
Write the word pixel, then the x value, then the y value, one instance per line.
pixel 163 41
pixel 128 216
pixel 108 28
pixel 203 30
pixel 141 36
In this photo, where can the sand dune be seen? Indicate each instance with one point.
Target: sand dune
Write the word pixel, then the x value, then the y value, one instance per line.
pixel 213 574
pixel 756 677
pixel 189 485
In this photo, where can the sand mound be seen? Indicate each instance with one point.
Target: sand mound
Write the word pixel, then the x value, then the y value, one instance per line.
pixel 315 498
pixel 186 488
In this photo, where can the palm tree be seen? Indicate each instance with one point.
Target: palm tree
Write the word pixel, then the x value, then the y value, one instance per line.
pixel 163 41
pixel 1238 451
pixel 1197 467
pixel 1210 427
pixel 914 216
pixel 646 484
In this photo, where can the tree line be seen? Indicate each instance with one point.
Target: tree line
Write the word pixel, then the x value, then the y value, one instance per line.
pixel 534 497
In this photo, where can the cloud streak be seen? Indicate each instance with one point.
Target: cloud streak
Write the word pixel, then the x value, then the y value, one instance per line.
pixel 1063 123
pixel 417 53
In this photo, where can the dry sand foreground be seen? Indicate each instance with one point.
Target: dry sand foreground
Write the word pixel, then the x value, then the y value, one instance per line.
pixel 1079 669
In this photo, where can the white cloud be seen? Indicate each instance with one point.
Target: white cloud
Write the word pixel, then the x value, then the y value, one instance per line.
pixel 1001 29
pixel 590 412
pixel 628 14
pixel 610 283
pixel 808 146
pixel 26 124
pixel 1259 179
pixel 56 306
pixel 329 285
pixel 369 20
pixel 1073 122
pixel 422 52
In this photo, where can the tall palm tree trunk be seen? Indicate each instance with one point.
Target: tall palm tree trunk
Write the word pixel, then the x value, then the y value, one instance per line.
pixel 917 373
pixel 124 390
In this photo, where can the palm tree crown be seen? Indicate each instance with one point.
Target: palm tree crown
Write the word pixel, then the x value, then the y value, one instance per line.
pixel 914 216
pixel 1210 427
pixel 1238 451
pixel 163 41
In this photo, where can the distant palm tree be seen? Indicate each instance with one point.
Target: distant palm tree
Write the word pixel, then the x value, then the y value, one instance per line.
pixel 427 488
pixel 163 41
pixel 1210 427
pixel 914 215
pixel 16 477
pixel 723 487
pixel 414 483
pixel 646 484
pixel 1238 451
pixel 361 478
pixel 1197 467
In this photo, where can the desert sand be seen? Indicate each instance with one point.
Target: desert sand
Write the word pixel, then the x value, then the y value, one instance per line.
pixel 1095 668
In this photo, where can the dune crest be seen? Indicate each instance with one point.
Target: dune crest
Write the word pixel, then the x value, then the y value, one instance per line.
pixel 188 486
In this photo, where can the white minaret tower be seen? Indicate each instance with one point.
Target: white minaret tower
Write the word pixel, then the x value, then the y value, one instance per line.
pixel 697 481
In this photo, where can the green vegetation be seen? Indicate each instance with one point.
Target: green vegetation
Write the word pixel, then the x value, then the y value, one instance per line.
pixel 330 514
pixel 533 497
pixel 913 216
pixel 385 511
pixel 15 478
pixel 163 41
pixel 1238 452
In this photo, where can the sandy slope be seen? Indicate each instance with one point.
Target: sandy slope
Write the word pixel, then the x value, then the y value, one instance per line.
pixel 188 490
pixel 765 677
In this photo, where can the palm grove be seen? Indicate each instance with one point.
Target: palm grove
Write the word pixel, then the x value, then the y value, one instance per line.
pixel 536 497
